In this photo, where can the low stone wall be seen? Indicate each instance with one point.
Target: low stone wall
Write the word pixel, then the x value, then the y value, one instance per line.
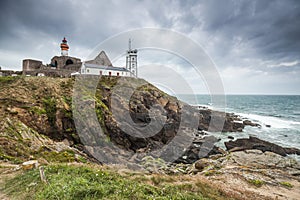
pixel 50 72
pixel 9 72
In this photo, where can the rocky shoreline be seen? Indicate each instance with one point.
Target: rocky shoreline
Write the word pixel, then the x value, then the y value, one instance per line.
pixel 45 108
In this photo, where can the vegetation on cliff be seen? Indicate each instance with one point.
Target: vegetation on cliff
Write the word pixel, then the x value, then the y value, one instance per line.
pixel 37 111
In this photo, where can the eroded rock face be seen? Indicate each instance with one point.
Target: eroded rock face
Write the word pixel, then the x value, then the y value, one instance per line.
pixel 45 105
pixel 169 110
pixel 255 143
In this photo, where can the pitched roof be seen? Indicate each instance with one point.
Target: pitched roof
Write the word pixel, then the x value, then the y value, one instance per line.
pixel 101 59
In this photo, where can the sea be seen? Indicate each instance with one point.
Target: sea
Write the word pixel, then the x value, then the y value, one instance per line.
pixel 278 115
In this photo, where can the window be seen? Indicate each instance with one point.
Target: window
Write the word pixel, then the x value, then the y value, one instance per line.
pixel 100 72
pixel 54 64
pixel 109 73
pixel 88 71
pixel 69 62
pixel 118 74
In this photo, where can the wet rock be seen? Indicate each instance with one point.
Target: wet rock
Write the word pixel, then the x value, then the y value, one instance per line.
pixel 232 123
pixel 249 123
pixel 255 143
pixel 292 150
pixel 230 137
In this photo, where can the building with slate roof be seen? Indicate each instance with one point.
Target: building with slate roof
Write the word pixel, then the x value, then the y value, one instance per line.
pixel 66 66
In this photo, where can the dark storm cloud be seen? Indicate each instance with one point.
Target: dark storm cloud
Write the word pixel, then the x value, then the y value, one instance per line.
pixel 272 28
pixel 252 35
pixel 269 30
pixel 35 16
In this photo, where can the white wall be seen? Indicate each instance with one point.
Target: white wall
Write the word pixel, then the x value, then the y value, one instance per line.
pixel 105 72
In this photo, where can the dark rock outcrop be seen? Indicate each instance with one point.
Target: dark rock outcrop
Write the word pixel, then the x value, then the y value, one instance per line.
pixel 255 143
pixel 250 123
pixel 232 123
pixel 147 104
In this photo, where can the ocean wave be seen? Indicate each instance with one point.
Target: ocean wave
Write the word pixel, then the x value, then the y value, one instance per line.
pixel 202 106
pixel 274 122
pixel 276 115
pixel 296 113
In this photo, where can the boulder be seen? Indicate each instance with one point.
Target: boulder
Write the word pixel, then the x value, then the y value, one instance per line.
pixel 201 148
pixel 249 123
pixel 30 164
pixel 292 151
pixel 260 160
pixel 255 143
pixel 202 164
pixel 232 122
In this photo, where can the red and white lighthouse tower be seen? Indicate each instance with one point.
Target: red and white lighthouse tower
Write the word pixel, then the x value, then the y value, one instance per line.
pixel 64 47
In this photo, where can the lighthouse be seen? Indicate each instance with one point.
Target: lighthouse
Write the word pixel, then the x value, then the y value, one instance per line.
pixel 64 47
pixel 131 60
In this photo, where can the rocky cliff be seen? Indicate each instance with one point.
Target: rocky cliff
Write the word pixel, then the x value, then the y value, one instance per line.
pixel 40 118
pixel 42 106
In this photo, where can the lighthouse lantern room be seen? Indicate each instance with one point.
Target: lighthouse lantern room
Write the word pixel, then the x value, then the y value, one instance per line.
pixel 64 47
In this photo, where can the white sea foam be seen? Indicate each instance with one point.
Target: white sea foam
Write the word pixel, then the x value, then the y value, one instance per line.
pixel 274 122
pixel 203 106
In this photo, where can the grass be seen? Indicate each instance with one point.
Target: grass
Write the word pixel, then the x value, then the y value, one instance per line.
pixel 256 182
pixel 286 184
pixel 8 79
pixel 211 172
pixel 37 110
pixel 52 156
pixel 50 108
pixel 91 182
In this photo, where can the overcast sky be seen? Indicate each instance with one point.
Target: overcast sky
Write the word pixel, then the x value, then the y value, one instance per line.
pixel 255 44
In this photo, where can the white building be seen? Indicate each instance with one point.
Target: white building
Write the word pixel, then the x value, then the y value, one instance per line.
pixel 94 69
pixel 101 65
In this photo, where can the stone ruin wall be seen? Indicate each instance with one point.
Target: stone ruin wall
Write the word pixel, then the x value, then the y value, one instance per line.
pixel 35 67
